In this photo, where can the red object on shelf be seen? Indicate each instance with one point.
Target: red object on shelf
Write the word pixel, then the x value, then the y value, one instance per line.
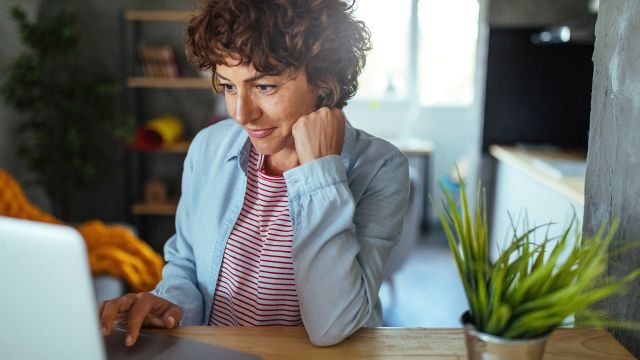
pixel 146 140
pixel 157 132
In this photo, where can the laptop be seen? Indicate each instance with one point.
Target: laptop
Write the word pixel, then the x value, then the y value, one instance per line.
pixel 48 307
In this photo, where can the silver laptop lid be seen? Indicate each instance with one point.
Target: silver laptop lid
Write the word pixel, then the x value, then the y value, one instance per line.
pixel 47 306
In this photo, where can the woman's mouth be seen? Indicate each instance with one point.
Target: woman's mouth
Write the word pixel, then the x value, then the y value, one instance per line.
pixel 259 133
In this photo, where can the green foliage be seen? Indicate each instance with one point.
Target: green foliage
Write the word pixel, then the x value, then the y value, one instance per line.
pixel 531 288
pixel 71 106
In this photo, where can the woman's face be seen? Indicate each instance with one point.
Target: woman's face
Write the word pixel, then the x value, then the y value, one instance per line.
pixel 266 106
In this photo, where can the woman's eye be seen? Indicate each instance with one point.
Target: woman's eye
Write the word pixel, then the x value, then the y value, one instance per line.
pixel 228 88
pixel 265 88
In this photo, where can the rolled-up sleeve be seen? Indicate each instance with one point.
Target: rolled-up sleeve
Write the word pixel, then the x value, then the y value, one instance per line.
pixel 341 245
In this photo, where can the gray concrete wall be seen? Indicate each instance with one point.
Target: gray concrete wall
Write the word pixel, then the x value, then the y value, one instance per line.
pixel 10 47
pixel 613 163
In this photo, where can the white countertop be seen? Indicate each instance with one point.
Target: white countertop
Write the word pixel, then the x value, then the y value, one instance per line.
pixel 561 170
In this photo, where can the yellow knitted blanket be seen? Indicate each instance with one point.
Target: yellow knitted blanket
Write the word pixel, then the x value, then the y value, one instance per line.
pixel 112 249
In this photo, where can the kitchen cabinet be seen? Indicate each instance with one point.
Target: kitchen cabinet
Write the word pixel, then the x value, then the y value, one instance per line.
pixel 546 185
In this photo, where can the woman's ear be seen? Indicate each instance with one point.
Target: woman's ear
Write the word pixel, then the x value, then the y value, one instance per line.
pixel 321 100
pixel 321 95
pixel 324 90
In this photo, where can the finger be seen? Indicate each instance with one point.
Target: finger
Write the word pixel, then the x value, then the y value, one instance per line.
pixel 172 316
pixel 154 320
pixel 168 317
pixel 111 309
pixel 100 308
pixel 121 318
pixel 323 109
pixel 137 314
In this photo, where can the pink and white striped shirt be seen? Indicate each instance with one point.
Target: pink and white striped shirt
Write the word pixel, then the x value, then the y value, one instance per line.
pixel 256 284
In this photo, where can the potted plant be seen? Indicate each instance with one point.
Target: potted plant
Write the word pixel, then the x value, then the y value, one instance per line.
pixel 531 289
pixel 71 104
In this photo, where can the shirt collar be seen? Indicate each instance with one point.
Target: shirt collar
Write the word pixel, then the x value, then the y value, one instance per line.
pixel 236 149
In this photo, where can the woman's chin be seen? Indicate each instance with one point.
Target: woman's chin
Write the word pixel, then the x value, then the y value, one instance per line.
pixel 264 148
pixel 269 146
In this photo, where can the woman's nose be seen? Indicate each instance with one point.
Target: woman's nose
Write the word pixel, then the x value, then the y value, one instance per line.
pixel 246 110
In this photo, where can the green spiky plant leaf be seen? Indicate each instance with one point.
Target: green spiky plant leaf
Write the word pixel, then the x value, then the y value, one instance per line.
pixel 532 288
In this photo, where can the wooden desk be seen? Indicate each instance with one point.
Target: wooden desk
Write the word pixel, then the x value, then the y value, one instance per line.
pixel 390 343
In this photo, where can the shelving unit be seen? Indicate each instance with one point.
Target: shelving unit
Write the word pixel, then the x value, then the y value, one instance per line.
pixel 149 216
pixel 157 15
pixel 168 83
pixel 168 209
pixel 179 147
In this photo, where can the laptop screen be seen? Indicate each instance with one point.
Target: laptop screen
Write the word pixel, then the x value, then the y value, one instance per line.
pixel 48 305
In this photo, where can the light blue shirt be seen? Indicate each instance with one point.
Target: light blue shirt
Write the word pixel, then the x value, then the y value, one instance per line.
pixel 346 212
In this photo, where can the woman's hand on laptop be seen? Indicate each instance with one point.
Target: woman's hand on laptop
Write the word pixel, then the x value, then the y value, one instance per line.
pixel 138 309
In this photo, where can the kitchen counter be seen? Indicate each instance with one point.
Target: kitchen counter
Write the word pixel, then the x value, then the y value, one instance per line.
pixel 561 170
pixel 540 184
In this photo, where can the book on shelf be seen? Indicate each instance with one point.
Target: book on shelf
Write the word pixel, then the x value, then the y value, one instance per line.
pixel 158 61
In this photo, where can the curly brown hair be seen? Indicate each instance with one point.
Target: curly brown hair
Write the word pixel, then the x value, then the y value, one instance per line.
pixel 320 37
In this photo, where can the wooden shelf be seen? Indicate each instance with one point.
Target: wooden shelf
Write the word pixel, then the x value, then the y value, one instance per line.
pixel 168 83
pixel 167 209
pixel 159 16
pixel 180 147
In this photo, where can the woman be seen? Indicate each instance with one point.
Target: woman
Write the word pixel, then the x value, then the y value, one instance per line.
pixel 287 214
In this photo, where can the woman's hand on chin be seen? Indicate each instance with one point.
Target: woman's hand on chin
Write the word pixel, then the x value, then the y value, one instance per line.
pixel 319 134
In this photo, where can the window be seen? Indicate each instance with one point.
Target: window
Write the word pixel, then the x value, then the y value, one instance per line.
pixel 448 36
pixel 385 76
pixel 447 33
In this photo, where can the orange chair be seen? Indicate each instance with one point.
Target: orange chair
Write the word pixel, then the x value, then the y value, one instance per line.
pixel 112 249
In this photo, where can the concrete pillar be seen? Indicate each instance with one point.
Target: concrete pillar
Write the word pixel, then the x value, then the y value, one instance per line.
pixel 613 162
